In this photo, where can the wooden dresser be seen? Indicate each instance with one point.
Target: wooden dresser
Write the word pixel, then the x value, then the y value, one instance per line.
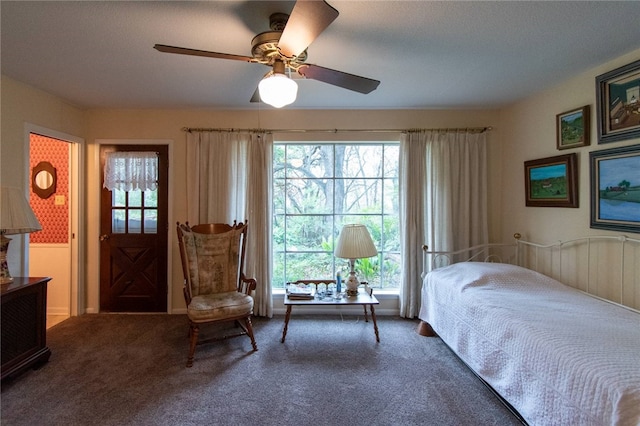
pixel 24 325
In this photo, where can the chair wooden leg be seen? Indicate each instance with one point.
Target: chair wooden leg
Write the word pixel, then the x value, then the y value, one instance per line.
pixel 250 333
pixel 193 334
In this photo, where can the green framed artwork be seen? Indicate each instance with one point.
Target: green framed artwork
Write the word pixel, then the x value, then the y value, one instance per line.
pixel 615 188
pixel 618 104
pixel 552 181
pixel 572 128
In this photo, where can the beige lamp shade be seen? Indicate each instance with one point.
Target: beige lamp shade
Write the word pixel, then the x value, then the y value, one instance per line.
pixel 355 243
pixel 16 214
pixel 16 217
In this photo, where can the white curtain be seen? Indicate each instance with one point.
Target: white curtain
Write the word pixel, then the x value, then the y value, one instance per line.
pixel 130 171
pixel 229 178
pixel 443 201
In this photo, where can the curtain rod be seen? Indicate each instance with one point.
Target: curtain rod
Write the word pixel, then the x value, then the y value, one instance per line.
pixel 447 129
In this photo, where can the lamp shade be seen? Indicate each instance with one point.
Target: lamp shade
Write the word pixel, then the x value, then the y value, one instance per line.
pixel 16 214
pixel 277 90
pixel 355 242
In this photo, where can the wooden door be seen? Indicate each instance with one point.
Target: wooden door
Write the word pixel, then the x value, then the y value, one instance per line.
pixel 133 241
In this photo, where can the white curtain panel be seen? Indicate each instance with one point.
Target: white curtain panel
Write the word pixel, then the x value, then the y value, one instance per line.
pixel 229 178
pixel 131 171
pixel 443 201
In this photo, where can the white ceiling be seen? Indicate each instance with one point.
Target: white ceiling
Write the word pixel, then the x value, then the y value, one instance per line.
pixel 448 54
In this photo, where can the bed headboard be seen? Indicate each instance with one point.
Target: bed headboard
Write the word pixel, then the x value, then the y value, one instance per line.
pixel 607 266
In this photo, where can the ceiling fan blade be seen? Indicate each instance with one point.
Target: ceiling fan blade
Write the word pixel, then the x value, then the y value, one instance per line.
pixel 338 78
pixel 256 96
pixel 308 19
pixel 194 52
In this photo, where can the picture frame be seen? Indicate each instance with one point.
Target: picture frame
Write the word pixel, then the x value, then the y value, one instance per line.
pixel 618 103
pixel 572 128
pixel 552 181
pixel 615 188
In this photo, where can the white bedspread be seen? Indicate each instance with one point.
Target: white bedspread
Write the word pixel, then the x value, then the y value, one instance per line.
pixel 559 356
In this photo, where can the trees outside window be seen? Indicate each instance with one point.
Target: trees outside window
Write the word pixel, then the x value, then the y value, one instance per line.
pixel 318 187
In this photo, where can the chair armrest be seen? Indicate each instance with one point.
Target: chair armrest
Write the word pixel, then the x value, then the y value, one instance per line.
pixel 247 285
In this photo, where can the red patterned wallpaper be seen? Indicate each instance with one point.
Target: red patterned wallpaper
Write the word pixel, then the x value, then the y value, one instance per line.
pixel 54 217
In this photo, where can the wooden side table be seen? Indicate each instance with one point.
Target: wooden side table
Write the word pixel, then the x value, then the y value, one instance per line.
pixel 24 325
pixel 362 299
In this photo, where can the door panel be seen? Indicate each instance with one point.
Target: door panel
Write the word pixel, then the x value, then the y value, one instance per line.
pixel 133 241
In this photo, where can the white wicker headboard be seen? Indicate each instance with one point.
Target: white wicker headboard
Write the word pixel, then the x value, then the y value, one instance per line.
pixel 607 267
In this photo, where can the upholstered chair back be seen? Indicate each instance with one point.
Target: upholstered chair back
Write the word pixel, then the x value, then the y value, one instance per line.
pixel 214 260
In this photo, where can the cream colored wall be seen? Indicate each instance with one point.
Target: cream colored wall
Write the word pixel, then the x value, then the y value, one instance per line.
pixel 20 105
pixel 167 124
pixel 523 131
pixel 528 133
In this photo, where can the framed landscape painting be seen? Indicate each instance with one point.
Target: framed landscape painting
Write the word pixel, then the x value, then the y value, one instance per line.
pixel 615 188
pixel 572 128
pixel 618 103
pixel 552 182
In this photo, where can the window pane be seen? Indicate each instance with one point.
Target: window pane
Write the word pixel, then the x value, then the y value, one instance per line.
pixel 118 198
pixel 309 233
pixel 135 217
pixel 359 160
pixel 309 161
pixel 279 198
pixel 390 198
pixel 391 160
pixel 309 196
pixel 150 221
pixel 278 162
pixel 360 196
pixel 118 221
pixel 278 270
pixel 135 198
pixel 151 198
pixel 390 270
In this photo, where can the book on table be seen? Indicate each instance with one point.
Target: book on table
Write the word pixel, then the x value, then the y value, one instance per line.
pixel 300 291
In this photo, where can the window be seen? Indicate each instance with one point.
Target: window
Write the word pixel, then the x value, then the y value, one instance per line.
pixel 318 187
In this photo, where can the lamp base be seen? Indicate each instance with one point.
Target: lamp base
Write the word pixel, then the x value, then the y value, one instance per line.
pixel 5 276
pixel 352 285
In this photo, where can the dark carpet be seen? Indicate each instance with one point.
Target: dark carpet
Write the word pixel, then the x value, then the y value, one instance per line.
pixel 111 369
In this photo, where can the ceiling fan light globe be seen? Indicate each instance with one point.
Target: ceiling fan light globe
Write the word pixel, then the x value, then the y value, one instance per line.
pixel 278 90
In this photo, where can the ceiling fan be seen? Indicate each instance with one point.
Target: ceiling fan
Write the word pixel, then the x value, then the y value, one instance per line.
pixel 284 49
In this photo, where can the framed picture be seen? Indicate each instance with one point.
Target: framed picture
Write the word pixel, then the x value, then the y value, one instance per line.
pixel 552 182
pixel 615 188
pixel 618 103
pixel 572 128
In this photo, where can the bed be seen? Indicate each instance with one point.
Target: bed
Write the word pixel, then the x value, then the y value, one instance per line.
pixel 556 354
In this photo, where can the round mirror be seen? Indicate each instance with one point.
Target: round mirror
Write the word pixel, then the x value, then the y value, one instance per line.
pixel 43 179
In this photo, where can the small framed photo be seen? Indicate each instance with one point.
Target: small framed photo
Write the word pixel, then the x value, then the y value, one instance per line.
pixel 572 128
pixel 552 181
pixel 615 188
pixel 618 103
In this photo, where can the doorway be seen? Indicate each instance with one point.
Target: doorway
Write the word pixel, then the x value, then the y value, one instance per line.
pixel 57 251
pixel 134 236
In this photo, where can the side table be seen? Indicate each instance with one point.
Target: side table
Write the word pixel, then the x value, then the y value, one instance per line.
pixel 362 299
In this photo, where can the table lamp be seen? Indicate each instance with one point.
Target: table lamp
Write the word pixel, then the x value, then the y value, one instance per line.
pixel 354 243
pixel 16 217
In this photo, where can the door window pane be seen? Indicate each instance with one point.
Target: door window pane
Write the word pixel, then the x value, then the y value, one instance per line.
pixel 150 221
pixel 118 221
pixel 134 221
